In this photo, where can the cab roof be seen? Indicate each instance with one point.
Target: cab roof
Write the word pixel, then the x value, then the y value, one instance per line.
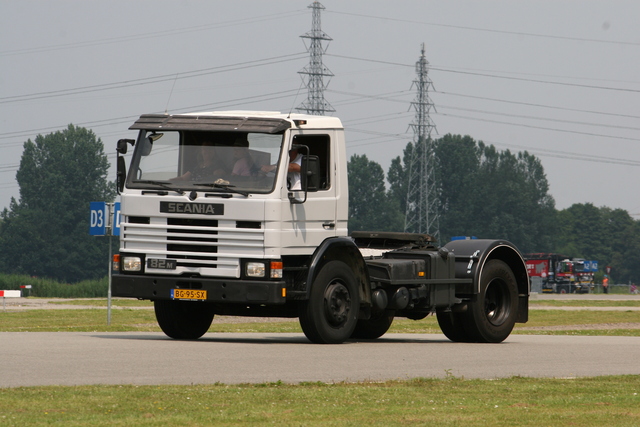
pixel 235 121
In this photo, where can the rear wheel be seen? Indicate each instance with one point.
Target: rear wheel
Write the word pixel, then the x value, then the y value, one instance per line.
pixel 374 327
pixel 331 313
pixel 492 314
pixel 183 320
pixel 453 326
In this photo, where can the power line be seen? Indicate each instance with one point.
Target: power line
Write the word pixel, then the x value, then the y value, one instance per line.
pixel 523 116
pixel 480 74
pixel 550 82
pixel 379 118
pixel 530 104
pixel 533 150
pixel 572 156
pixel 491 30
pixel 126 119
pixel 379 97
pixel 387 98
pixel 390 97
pixel 539 127
pixel 163 33
pixel 151 80
pixel 384 97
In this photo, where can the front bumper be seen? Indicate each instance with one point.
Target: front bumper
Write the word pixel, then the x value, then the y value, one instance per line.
pixel 218 290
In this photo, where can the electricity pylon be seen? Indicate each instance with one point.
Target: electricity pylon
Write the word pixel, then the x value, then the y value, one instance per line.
pixel 313 75
pixel 422 198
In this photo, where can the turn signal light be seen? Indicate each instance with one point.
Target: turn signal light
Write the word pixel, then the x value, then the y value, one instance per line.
pixel 276 269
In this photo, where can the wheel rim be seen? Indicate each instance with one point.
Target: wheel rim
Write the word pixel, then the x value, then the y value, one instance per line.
pixel 497 305
pixel 337 304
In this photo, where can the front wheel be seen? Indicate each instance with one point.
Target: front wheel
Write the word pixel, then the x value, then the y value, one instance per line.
pixel 183 320
pixel 492 314
pixel 373 328
pixel 331 313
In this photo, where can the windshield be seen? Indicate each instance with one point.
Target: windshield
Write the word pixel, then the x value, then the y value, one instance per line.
pixel 197 160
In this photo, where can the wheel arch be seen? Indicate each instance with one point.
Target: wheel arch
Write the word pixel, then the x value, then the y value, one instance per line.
pixel 341 249
pixel 510 255
pixel 472 256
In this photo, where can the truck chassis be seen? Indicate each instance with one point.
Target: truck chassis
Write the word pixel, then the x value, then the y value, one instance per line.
pixel 197 244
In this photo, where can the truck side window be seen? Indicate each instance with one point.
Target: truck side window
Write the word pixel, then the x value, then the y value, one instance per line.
pixel 319 145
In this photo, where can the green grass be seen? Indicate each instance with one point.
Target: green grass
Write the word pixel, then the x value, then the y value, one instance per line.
pixel 80 320
pixel 48 288
pixel 584 303
pixel 134 315
pixel 517 401
pixel 129 302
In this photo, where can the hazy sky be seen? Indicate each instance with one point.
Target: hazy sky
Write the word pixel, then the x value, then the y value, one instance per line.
pixel 557 78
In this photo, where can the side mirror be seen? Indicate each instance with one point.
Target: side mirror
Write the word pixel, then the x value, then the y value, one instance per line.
pixel 121 174
pixel 310 173
pixel 121 146
pixel 147 145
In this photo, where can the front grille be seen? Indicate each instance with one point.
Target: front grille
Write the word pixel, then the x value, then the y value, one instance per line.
pixel 201 246
pixel 191 222
pixel 184 224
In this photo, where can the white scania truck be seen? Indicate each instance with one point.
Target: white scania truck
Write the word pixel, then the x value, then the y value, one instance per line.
pixel 210 226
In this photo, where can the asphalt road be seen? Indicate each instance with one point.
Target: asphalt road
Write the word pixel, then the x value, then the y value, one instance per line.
pixel 76 358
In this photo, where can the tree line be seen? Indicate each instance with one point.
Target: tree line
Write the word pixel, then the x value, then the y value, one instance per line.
pixel 46 232
pixel 488 193
pixel 481 192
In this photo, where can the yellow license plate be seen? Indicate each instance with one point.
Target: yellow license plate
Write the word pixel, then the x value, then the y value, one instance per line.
pixel 191 294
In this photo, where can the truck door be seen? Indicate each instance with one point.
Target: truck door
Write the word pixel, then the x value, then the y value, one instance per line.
pixel 306 225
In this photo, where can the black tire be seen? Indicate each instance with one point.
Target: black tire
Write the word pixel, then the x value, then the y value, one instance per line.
pixel 183 320
pixel 491 316
pixel 374 327
pixel 331 313
pixel 453 326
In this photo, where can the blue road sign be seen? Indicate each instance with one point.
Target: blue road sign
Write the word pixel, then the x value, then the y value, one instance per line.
pixel 115 230
pixel 98 219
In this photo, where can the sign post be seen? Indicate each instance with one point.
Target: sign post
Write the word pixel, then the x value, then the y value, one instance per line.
pixel 105 221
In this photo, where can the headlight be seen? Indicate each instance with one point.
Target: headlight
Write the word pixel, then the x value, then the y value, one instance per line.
pixel 255 269
pixel 131 263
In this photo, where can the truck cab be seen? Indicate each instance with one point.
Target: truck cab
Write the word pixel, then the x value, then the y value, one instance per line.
pixel 226 224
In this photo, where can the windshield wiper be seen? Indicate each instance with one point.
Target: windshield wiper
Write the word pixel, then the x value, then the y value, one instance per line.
pixel 228 187
pixel 162 184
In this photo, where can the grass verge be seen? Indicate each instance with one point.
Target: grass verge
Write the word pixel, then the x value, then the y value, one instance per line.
pixel 129 318
pixel 517 401
pixel 584 303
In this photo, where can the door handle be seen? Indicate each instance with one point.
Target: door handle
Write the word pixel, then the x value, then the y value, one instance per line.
pixel 328 225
